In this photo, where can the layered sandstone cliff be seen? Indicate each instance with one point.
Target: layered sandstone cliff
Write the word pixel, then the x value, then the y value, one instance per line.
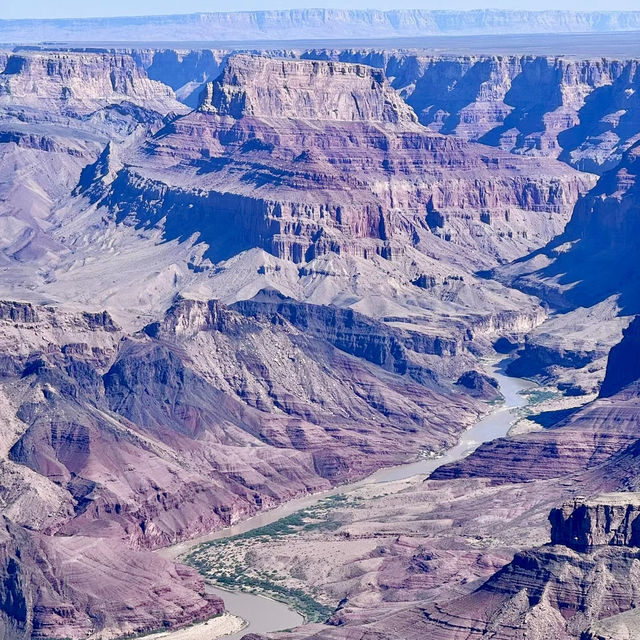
pixel 583 525
pixel 582 109
pixel 351 173
pixel 78 83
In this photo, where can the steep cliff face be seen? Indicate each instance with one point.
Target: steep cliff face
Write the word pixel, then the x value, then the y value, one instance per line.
pixel 352 165
pixel 612 520
pixel 262 87
pixel 623 368
pixel 78 83
pixel 582 110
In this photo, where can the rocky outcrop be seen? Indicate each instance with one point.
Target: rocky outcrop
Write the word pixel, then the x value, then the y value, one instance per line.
pixel 304 90
pixel 583 525
pixel 49 588
pixel 479 385
pixel 536 359
pixel 550 592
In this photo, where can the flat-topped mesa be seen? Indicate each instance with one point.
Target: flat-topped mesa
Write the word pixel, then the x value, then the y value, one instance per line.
pixel 80 82
pixel 607 520
pixel 258 86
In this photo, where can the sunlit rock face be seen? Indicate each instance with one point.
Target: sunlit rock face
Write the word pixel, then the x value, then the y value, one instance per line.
pixel 77 83
pixel 311 157
pixel 263 87
pixel 582 110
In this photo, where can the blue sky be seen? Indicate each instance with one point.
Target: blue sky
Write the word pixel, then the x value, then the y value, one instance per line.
pixel 84 8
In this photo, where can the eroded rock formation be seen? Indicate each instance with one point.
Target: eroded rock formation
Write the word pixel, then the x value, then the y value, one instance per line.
pixel 612 520
pixel 326 244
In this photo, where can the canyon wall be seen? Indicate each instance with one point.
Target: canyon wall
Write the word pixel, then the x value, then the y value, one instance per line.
pixel 583 110
pixel 265 296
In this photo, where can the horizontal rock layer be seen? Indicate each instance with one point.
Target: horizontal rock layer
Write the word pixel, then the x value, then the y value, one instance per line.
pixel 295 24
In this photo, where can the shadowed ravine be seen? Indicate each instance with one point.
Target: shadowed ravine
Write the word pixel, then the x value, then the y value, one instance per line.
pixel 264 615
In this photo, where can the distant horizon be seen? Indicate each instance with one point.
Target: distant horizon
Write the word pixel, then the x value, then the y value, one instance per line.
pixel 75 9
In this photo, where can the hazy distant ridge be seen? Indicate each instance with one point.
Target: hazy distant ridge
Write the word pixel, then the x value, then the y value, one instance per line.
pixel 315 23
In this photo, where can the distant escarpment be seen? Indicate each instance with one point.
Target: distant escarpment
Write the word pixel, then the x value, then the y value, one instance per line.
pixel 296 24
pixel 585 112
pixel 78 83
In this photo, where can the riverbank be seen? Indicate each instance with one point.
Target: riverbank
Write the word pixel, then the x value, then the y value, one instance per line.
pixel 218 627
pixel 231 557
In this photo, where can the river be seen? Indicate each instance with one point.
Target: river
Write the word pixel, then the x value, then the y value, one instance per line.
pixel 264 615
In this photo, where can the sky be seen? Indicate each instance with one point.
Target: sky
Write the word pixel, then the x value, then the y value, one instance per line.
pixel 10 9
